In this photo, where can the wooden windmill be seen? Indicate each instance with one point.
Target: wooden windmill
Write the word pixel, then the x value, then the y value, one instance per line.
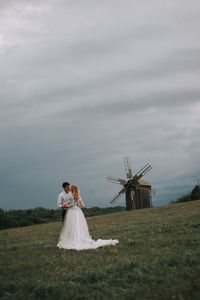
pixel 138 191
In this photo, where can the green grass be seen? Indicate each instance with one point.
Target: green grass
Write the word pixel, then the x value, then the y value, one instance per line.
pixel 158 257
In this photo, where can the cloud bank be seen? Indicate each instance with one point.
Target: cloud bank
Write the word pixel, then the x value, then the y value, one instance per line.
pixel 84 84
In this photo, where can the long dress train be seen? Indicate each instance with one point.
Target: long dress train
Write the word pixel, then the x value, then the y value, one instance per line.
pixel 75 234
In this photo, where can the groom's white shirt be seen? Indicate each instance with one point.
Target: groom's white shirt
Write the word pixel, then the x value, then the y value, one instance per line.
pixel 64 198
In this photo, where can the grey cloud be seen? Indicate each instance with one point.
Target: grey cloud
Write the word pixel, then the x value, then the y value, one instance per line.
pixel 170 101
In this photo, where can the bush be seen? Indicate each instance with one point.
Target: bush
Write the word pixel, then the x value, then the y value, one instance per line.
pixel 194 195
pixel 184 198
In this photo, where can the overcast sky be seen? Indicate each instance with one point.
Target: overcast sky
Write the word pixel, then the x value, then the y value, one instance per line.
pixel 85 83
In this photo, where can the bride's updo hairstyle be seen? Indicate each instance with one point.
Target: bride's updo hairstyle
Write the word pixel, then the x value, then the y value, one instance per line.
pixel 75 192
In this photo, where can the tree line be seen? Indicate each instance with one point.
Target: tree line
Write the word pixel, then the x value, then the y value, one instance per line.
pixel 39 215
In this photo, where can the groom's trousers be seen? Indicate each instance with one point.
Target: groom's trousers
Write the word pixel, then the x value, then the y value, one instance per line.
pixel 63 214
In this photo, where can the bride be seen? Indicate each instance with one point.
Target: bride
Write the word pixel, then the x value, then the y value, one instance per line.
pixel 74 233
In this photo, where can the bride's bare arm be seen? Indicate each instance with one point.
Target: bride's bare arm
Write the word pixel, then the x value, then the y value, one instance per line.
pixel 81 203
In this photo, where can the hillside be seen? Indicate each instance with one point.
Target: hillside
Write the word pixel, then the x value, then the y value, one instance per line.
pixel 158 257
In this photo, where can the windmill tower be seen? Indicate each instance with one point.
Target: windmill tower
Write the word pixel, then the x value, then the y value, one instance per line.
pixel 138 191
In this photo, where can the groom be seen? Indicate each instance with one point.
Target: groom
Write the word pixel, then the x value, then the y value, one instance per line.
pixel 63 198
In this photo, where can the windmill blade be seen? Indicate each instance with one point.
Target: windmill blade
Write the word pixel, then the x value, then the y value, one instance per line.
pixel 143 171
pixel 116 196
pixel 146 171
pixel 127 165
pixel 120 196
pixel 116 180
pixel 112 180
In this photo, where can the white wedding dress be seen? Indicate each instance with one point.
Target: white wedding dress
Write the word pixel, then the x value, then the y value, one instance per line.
pixel 75 234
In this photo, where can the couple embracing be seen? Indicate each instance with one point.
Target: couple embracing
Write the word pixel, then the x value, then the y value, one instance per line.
pixel 74 233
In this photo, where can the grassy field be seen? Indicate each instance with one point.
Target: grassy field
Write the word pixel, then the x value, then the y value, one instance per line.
pixel 158 257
